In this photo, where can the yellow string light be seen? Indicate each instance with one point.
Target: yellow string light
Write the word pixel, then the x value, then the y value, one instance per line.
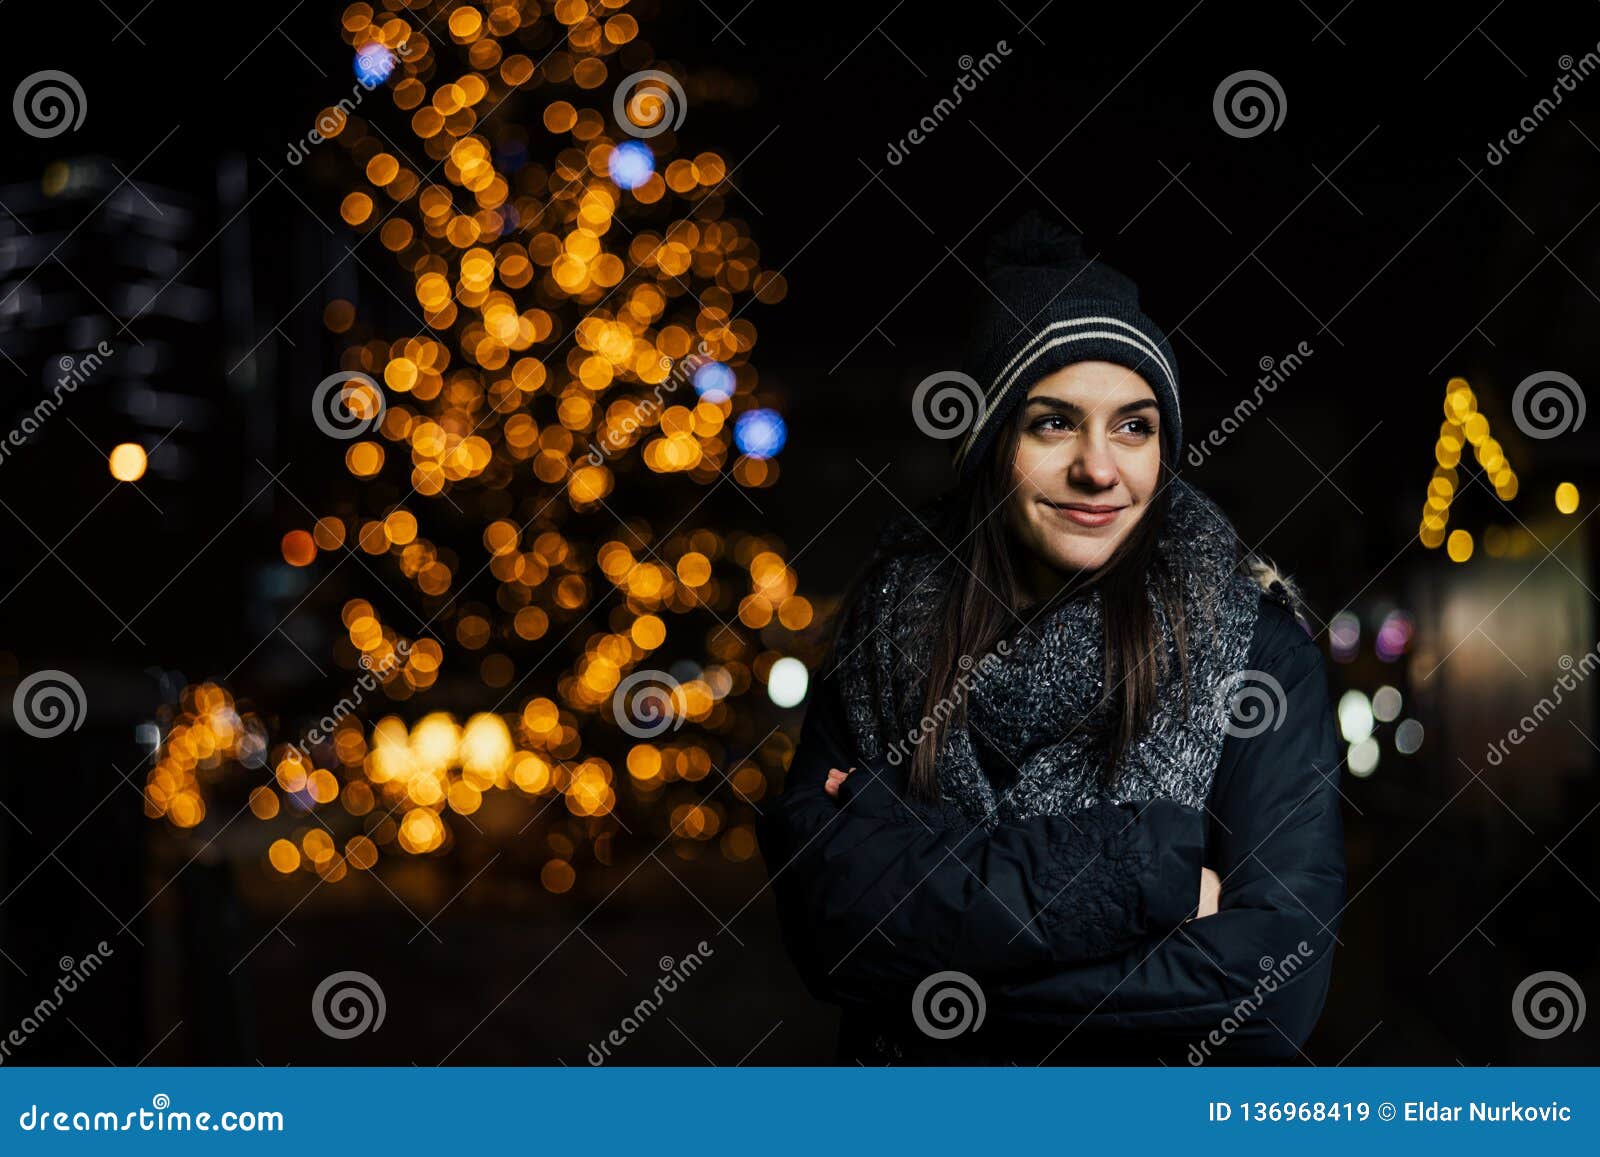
pixel 1464 425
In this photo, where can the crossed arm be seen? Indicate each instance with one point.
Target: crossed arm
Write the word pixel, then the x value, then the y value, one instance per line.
pixel 1080 920
pixel 876 892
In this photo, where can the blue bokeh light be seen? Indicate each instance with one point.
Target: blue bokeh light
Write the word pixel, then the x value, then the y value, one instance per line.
pixel 631 164
pixel 760 433
pixel 714 382
pixel 373 64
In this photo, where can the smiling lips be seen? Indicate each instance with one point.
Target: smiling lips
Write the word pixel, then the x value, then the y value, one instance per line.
pixel 1089 514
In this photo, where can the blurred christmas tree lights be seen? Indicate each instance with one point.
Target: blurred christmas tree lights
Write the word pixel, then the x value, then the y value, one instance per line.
pixel 541 554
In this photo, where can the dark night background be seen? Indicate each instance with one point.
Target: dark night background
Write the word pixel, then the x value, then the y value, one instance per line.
pixel 1369 226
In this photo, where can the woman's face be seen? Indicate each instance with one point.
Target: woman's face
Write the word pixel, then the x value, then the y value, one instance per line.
pixel 1087 464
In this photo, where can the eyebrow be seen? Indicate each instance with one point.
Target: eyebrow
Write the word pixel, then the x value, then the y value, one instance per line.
pixel 1066 407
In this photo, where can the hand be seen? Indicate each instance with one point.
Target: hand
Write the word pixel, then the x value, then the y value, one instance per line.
pixel 1210 893
pixel 835 781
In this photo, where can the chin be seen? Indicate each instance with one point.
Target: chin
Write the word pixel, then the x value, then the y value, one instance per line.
pixel 1081 553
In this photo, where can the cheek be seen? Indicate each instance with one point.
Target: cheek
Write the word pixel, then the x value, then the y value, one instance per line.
pixel 1021 467
pixel 1141 471
pixel 1035 462
pixel 1019 506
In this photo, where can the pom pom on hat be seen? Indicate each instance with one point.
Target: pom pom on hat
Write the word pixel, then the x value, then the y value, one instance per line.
pixel 1033 240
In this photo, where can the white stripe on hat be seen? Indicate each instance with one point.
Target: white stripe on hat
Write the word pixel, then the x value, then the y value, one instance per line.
pixel 1143 345
pixel 1154 352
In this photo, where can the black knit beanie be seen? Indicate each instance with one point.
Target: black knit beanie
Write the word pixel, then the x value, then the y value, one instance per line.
pixel 1052 306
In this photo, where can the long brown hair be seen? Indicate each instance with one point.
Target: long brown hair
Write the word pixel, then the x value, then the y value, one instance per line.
pixel 980 610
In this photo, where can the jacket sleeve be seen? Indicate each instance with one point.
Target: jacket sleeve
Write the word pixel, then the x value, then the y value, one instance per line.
pixel 874 893
pixel 1251 980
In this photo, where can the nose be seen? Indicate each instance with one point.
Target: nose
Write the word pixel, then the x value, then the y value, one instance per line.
pixel 1093 467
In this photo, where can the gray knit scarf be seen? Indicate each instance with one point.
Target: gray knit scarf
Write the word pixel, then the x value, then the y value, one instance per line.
pixel 1032 701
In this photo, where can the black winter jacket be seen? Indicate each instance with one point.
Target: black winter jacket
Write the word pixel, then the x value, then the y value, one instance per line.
pixel 1074 927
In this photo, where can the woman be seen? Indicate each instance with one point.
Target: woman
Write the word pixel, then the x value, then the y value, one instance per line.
pixel 1067 790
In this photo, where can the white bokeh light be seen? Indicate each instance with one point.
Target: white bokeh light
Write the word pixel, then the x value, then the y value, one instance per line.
pixel 1355 716
pixel 787 682
pixel 1364 757
pixel 1386 704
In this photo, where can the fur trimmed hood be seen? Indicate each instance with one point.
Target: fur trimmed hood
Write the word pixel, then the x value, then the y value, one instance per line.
pixel 1279 586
